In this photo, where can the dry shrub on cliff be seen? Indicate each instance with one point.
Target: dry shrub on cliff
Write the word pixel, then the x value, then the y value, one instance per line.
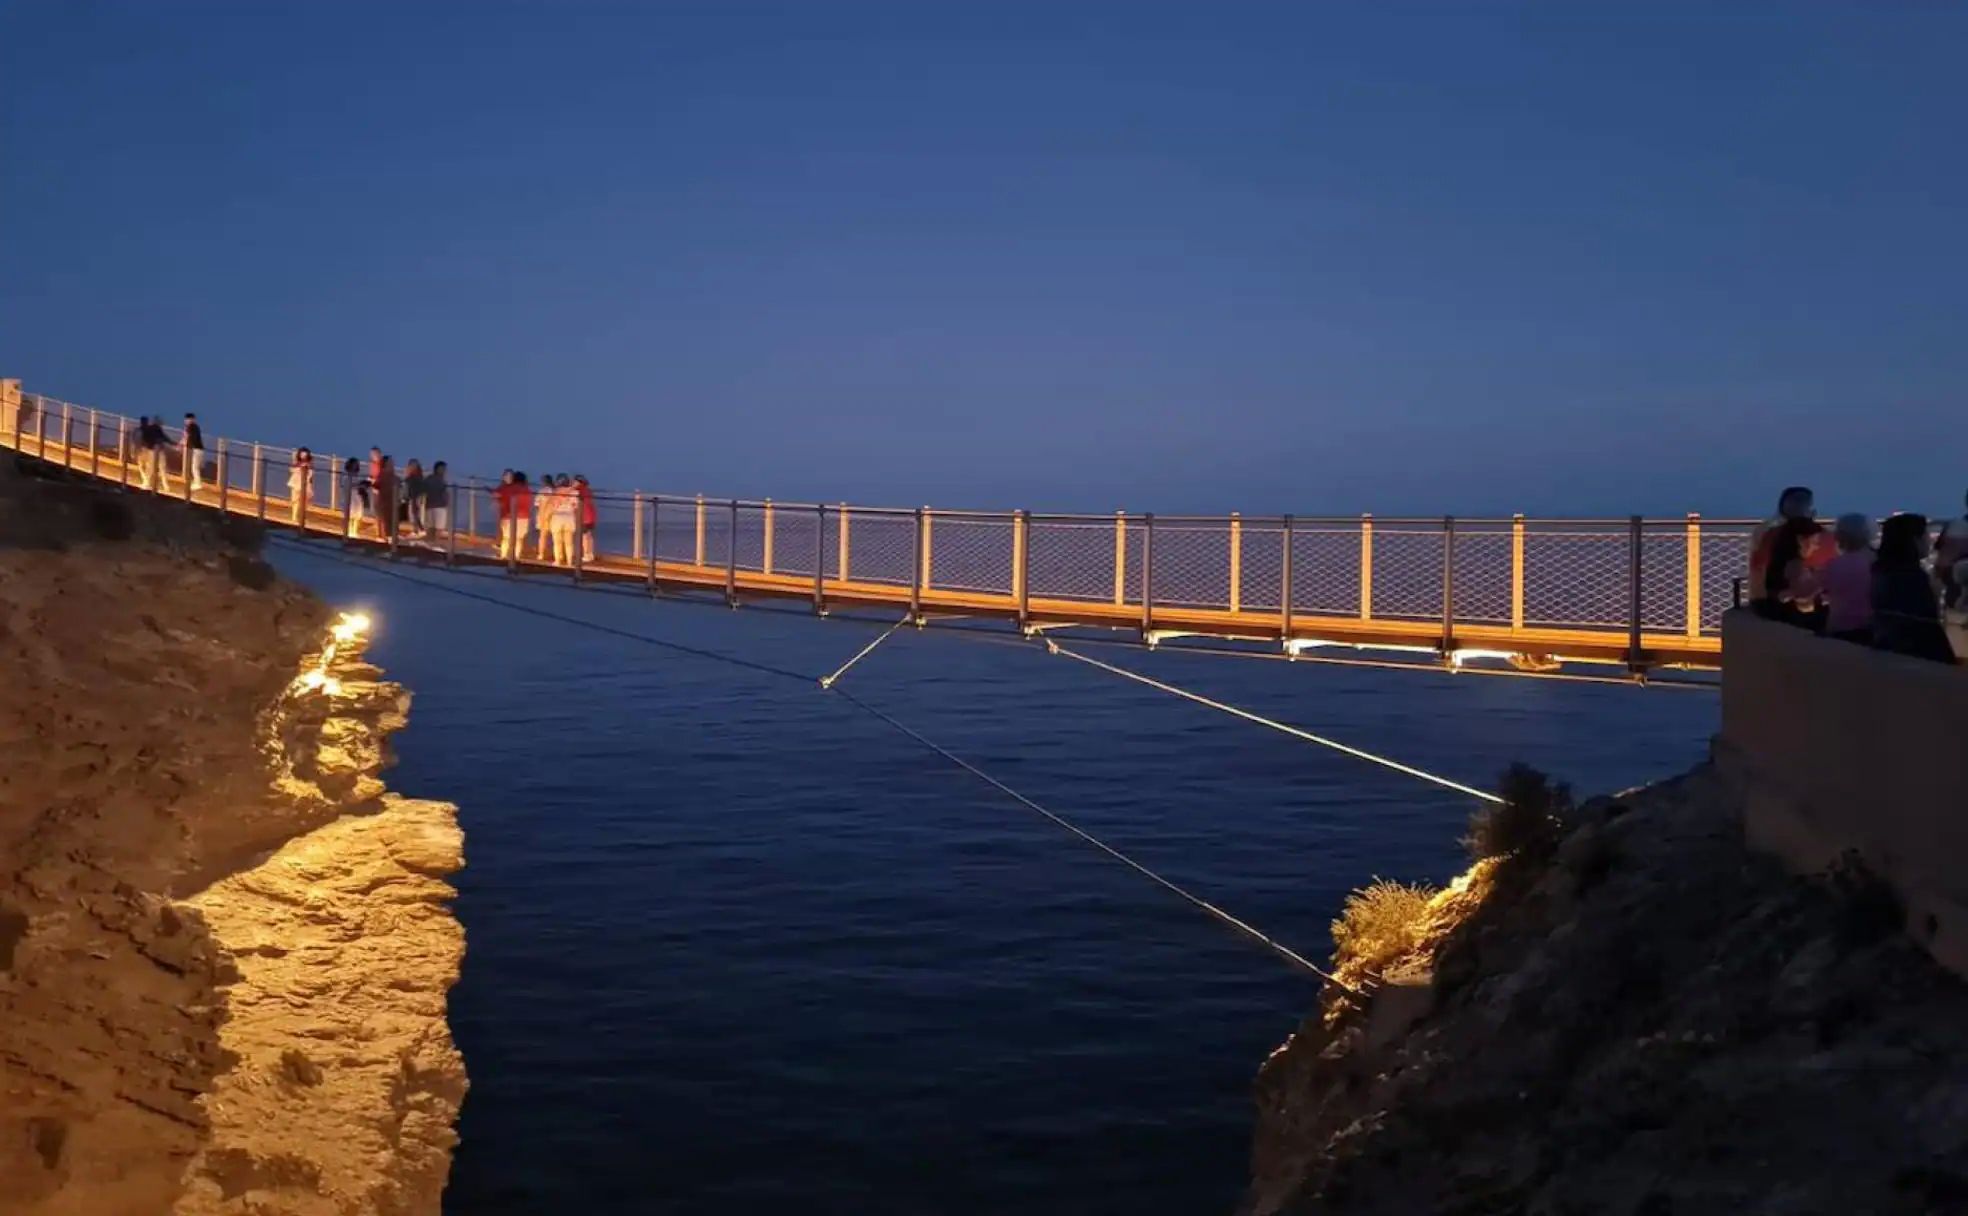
pixel 1379 924
pixel 1527 823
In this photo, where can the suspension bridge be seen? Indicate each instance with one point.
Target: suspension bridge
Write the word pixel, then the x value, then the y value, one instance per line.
pixel 1635 593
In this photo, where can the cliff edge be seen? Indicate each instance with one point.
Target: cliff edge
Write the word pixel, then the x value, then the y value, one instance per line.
pixel 225 948
pixel 1642 1017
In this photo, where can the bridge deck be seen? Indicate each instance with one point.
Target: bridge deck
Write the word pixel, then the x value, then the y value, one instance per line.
pixel 943 557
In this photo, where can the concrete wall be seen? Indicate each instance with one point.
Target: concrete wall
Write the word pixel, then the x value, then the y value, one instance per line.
pixel 1835 747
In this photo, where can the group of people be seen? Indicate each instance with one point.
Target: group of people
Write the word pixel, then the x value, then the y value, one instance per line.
pixel 152 442
pixel 412 502
pixel 1844 585
pixel 563 509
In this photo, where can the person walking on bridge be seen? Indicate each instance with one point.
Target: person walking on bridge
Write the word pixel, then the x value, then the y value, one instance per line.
pixel 193 440
pixel 148 452
pixel 300 486
pixel 384 501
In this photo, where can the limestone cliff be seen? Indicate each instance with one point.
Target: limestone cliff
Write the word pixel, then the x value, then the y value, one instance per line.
pixel 224 948
pixel 1649 1019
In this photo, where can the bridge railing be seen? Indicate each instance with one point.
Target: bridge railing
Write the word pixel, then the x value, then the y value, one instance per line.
pixel 1261 573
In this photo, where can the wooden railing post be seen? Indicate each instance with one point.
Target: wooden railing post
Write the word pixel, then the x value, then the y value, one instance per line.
pixel 1517 572
pixel 1285 586
pixel 1694 563
pixel 1236 562
pixel 635 543
pixel 1120 557
pixel 699 560
pixel 840 565
pixel 1366 567
pixel 919 565
pixel 260 488
pixel 765 563
pixel 1021 564
pixel 925 525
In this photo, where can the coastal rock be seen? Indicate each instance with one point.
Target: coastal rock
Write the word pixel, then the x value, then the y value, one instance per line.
pixel 1656 1020
pixel 224 949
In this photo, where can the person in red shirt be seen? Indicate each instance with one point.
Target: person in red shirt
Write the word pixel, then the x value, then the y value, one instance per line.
pixel 515 505
pixel 588 516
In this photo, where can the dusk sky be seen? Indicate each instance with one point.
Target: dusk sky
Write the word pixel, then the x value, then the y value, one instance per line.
pixel 1568 258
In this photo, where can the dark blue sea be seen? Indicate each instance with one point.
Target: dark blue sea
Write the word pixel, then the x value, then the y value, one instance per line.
pixel 736 946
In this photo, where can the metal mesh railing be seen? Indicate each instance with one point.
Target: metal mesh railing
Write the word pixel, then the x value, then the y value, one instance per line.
pixel 1524 580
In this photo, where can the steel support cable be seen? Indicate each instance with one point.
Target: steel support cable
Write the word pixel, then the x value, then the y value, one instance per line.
pixel 1239 925
pixel 864 652
pixel 1274 724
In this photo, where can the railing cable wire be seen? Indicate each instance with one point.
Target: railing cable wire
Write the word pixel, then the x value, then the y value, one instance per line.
pixel 864 652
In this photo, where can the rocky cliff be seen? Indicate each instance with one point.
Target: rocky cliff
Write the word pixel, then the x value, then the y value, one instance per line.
pixel 1643 1018
pixel 224 947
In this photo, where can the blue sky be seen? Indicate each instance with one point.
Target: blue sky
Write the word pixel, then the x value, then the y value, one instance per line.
pixel 1325 258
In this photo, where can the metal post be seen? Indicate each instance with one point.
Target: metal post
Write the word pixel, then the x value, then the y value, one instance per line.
pixel 1448 583
pixel 184 465
pixel 346 497
pixel 1120 557
pixel 95 448
pixel 820 559
pixel 574 560
pixel 1236 562
pixel 1147 572
pixel 1516 572
pixel 925 523
pixel 451 527
pixel 1021 564
pixel 68 435
pixel 635 538
pixel 765 546
pixel 1694 574
pixel 471 508
pixel 1634 659
pixel 1285 586
pixel 122 448
pixel 41 427
pixel 223 475
pixel 655 523
pixel 700 531
pixel 19 402
pixel 731 559
pixel 1366 567
pixel 260 489
pixel 840 566
pixel 915 574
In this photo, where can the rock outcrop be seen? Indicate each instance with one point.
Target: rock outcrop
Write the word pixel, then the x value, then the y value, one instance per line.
pixel 224 948
pixel 1650 1020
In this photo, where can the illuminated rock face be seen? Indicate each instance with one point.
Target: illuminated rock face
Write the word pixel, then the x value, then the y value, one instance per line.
pixel 224 949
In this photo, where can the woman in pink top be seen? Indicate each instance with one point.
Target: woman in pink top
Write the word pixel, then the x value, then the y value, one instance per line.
pixel 1846 582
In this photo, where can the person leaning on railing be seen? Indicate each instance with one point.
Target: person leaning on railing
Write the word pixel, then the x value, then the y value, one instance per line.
pixel 1906 614
pixel 1951 559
